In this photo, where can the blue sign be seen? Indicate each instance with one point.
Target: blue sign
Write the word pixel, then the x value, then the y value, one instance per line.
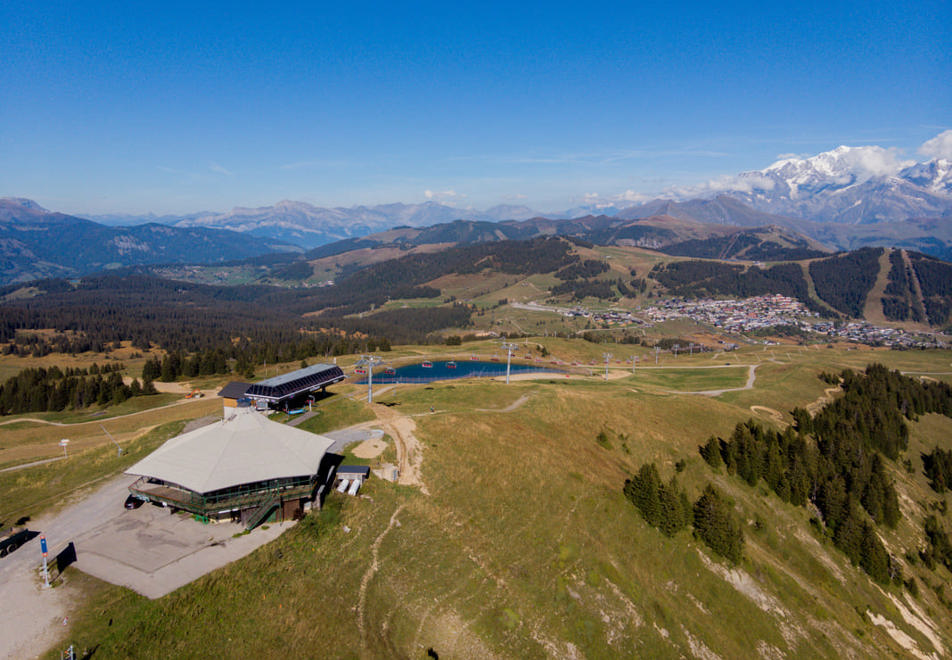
pixel 43 544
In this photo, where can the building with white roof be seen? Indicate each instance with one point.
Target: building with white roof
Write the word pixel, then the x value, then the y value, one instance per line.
pixel 245 468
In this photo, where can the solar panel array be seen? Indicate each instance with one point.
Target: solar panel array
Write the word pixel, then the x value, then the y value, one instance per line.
pixel 284 387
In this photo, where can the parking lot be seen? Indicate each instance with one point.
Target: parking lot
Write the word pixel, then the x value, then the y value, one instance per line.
pixel 147 550
pixel 154 552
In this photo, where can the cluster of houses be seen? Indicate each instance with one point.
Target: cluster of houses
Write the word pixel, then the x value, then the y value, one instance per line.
pixel 733 315
pixel 750 314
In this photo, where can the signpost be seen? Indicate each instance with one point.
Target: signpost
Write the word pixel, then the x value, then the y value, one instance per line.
pixel 63 443
pixel 46 573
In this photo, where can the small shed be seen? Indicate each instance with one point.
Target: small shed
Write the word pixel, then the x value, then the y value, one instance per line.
pixel 231 394
pixel 359 473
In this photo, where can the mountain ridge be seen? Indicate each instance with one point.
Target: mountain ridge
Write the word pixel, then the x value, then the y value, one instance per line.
pixel 36 243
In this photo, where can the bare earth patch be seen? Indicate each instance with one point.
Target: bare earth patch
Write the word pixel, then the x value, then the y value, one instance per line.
pixel 901 638
pixel 371 448
pixel 827 396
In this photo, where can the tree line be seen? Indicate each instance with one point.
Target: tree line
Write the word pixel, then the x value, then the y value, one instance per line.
pixel 835 460
pixel 843 281
pixel 935 281
pixel 708 279
pixel 54 389
pixel 666 506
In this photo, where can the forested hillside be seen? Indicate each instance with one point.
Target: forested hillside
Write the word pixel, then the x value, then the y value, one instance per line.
pixel 843 281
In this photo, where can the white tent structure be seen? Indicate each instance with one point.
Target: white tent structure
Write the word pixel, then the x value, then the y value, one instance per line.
pixel 233 467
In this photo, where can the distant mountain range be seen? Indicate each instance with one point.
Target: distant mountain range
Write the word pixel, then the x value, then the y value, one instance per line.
pixel 309 226
pixel 895 202
pixel 36 243
pixel 843 199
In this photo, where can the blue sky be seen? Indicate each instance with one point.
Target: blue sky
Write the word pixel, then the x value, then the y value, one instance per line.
pixel 171 107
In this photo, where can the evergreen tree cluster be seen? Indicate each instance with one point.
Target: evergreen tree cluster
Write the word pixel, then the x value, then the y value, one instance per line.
pixel 938 468
pixel 582 269
pixel 843 281
pixel 703 279
pixel 666 506
pixel 98 311
pixel 938 546
pixel 840 469
pixel 581 289
pixel 53 389
pixel 900 301
pixel 935 282
pixel 717 526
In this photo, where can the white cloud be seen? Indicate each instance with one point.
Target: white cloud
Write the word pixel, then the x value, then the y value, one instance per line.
pixel 629 195
pixel 443 196
pixel 938 147
pixel 218 169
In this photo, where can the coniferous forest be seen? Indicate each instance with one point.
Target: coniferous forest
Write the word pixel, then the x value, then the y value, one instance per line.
pixel 54 389
pixel 835 461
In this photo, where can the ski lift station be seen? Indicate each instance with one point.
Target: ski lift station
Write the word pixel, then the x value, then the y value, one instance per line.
pixel 282 390
pixel 244 468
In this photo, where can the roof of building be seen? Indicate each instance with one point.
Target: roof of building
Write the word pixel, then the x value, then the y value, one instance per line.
pixel 234 390
pixel 295 382
pixel 354 469
pixel 245 448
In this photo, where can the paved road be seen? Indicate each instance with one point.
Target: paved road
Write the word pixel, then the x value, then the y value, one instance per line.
pixel 349 436
pixel 31 627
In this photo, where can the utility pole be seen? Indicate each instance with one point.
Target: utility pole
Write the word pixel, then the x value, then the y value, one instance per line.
pixel 369 361
pixel 608 358
pixel 656 351
pixel 510 349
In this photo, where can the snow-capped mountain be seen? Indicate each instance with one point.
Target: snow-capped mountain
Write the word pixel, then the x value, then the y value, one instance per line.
pixel 856 185
pixel 934 175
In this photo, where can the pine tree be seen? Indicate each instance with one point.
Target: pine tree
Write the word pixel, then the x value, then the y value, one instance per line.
pixel 717 526
pixel 711 452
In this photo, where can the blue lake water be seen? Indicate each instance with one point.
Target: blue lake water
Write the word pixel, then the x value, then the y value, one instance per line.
pixel 417 373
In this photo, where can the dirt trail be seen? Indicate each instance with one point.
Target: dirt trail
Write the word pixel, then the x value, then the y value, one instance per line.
pixel 100 420
pixel 825 398
pixel 368 575
pixel 773 414
pixel 409 449
pixel 751 379
pixel 515 405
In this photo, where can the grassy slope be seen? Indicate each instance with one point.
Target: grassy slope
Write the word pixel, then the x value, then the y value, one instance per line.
pixel 526 548
pixel 29 441
pixel 28 491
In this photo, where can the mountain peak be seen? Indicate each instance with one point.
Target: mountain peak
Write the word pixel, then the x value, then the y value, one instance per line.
pixel 22 202
pixel 844 164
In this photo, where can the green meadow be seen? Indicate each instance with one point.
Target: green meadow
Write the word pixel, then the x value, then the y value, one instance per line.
pixel 525 546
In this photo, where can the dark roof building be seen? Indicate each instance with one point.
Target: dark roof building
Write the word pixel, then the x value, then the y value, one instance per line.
pixel 289 385
pixel 234 390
